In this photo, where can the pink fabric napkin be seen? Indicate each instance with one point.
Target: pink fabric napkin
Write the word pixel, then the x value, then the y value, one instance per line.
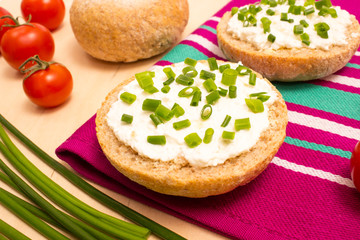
pixel 305 193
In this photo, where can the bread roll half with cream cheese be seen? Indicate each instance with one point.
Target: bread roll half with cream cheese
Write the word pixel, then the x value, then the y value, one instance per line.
pixel 179 176
pixel 288 63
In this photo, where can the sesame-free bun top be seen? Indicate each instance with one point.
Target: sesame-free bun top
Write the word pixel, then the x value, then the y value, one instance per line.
pixel 127 30
pixel 177 176
pixel 289 64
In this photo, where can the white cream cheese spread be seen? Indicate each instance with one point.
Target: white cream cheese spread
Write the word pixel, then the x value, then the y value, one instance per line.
pixel 283 31
pixel 211 154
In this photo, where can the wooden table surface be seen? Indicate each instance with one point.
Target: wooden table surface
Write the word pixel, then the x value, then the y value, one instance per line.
pixel 93 79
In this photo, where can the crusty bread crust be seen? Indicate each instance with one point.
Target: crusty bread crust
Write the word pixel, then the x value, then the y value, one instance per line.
pixel 297 64
pixel 180 178
pixel 127 30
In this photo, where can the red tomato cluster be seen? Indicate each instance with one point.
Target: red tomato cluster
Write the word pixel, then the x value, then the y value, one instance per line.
pixel 29 47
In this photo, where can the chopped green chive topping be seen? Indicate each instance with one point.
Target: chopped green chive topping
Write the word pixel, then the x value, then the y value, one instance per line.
pixel 169 72
pixel 304 23
pixel 234 10
pixel 193 140
pixel 184 80
pixel 309 2
pixel 229 77
pixel 243 123
pixel 165 89
pixel 270 12
pixel 228 135
pixel 177 110
pixel 271 38
pixel 284 17
pixel 150 104
pixel 255 105
pixel 222 91
pixel 272 3
pixel 332 13
pixel 309 10
pixel 206 75
pixel 156 139
pixel 212 64
pixel 260 96
pixel 206 112
pixel 127 97
pixel 151 89
pixel 232 91
pixel 182 124
pixel 257 94
pixel 226 121
pixel 263 98
pixel 223 67
pixel 266 24
pixel 265 2
pixel 190 61
pixel 190 71
pixel 321 3
pixel 253 9
pixel 296 10
pixel 208 135
pixel 291 2
pixel 326 11
pixel 196 99
pixel 169 81
pixel 156 120
pixel 305 39
pixel 209 85
pixel 145 79
pixel 252 79
pixel 212 97
pixel 127 118
pixel 163 112
pixel 188 91
pixel 242 70
pixel 250 20
pixel 322 29
pixel 298 29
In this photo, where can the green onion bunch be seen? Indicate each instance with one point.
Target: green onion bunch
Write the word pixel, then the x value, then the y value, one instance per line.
pixel 73 217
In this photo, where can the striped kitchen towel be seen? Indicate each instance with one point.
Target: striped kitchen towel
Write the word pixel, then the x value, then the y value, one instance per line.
pixel 305 193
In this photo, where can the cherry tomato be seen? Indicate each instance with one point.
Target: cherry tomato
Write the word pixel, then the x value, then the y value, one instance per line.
pixel 355 166
pixel 50 85
pixel 49 13
pixel 25 41
pixel 4 21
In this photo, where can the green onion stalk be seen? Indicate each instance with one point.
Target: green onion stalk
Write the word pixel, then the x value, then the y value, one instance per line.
pixel 127 212
pixel 9 232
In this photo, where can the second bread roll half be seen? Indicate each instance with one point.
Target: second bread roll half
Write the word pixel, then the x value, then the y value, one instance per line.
pixel 127 30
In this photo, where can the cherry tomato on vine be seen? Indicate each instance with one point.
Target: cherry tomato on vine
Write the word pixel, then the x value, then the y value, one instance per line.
pixel 47 84
pixel 26 40
pixel 4 21
pixel 49 13
pixel 355 166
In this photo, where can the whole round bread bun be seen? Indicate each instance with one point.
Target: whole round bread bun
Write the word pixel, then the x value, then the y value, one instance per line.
pixel 179 177
pixel 127 30
pixel 294 64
